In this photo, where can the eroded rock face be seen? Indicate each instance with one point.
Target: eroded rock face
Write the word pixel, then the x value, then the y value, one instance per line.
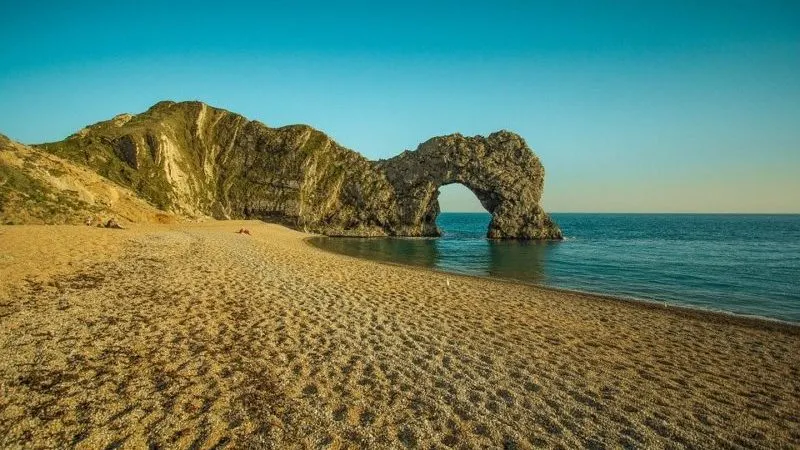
pixel 196 160
pixel 500 169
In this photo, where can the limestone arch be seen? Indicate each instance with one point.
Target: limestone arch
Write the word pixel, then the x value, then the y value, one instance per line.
pixel 502 172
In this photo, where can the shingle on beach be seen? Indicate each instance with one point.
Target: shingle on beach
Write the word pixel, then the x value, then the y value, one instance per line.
pixel 193 335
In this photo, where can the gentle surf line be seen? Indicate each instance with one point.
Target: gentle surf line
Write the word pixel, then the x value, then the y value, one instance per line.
pixel 711 315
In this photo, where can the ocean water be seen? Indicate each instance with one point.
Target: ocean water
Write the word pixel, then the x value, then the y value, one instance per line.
pixel 737 263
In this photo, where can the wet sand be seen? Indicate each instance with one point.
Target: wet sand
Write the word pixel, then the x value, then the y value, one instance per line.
pixel 190 335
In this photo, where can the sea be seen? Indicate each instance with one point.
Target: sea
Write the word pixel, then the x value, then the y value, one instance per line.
pixel 744 264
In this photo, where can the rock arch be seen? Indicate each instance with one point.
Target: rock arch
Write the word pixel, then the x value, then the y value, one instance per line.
pixel 195 160
pixel 502 172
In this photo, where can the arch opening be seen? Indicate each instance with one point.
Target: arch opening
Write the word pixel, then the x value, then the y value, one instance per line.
pixel 457 198
pixel 459 210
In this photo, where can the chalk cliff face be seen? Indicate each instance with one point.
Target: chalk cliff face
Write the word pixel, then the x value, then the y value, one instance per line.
pixel 195 160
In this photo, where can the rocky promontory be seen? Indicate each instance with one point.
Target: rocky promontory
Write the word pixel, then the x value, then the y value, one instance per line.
pixel 194 160
pixel 499 169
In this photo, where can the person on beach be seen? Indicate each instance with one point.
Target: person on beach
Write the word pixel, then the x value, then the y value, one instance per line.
pixel 114 224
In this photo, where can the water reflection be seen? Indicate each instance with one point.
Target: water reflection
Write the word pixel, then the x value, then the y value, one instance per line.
pixel 518 260
pixel 709 261
pixel 421 252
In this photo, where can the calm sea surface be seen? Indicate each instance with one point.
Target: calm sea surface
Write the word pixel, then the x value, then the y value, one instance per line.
pixel 745 264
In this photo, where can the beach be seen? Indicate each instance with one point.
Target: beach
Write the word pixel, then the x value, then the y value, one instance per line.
pixel 190 335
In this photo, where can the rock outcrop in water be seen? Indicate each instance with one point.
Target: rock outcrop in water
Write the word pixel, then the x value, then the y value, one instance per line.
pixel 195 160
pixel 501 170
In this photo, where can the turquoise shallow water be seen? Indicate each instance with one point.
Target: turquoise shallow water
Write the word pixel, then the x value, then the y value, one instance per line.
pixel 744 264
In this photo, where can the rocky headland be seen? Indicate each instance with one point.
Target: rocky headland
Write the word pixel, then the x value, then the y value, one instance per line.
pixel 192 160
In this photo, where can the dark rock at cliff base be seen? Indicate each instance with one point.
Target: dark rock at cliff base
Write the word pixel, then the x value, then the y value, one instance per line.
pixel 196 160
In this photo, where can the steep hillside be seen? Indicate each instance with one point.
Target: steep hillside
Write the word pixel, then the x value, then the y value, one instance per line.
pixel 197 160
pixel 37 187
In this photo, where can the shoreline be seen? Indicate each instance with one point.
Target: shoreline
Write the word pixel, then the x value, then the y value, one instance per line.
pixel 754 321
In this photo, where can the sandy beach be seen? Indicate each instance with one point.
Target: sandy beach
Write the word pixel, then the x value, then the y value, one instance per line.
pixel 193 336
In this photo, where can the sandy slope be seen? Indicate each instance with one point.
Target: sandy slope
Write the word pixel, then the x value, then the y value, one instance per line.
pixel 192 335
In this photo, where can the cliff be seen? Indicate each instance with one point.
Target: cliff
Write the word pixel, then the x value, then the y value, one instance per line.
pixel 195 160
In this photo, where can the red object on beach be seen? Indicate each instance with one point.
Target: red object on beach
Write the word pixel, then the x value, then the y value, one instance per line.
pixel 244 231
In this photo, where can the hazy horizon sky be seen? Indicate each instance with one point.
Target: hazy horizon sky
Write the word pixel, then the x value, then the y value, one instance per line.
pixel 661 106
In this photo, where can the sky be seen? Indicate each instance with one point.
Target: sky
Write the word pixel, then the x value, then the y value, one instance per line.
pixel 632 106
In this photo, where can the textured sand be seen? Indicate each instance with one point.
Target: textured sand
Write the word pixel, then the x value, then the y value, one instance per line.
pixel 193 336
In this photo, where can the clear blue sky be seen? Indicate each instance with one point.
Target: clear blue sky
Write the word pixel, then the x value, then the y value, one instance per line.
pixel 631 105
